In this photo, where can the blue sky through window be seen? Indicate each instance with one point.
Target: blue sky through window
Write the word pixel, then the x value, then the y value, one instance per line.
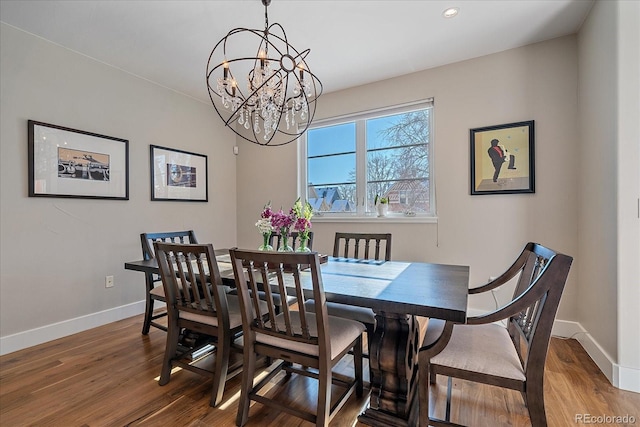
pixel 341 139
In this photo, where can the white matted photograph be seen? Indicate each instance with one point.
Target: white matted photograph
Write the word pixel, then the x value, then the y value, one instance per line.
pixel 178 175
pixel 65 162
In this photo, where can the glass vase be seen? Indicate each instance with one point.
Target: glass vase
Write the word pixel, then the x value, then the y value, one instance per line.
pixel 284 243
pixel 304 240
pixel 265 243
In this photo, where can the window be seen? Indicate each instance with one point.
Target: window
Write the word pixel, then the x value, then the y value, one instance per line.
pixel 346 162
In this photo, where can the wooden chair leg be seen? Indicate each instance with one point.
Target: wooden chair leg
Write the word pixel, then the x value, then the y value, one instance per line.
pixel 447 411
pixel 171 348
pixel 370 331
pixel 324 395
pixel 248 373
pixel 423 390
pixel 357 362
pixel 534 400
pixel 221 368
pixel 148 313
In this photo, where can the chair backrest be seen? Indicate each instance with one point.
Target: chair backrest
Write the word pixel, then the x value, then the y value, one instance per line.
pixel 542 274
pixel 294 240
pixel 147 240
pixel 282 271
pixel 192 281
pixel 362 246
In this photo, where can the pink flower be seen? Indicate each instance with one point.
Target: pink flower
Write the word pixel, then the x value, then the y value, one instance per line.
pixel 302 224
pixel 281 220
pixel 266 212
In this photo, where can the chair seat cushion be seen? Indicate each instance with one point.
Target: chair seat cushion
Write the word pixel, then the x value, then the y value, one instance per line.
pixel 158 293
pixel 342 332
pixel 361 314
pixel 486 349
pixel 235 314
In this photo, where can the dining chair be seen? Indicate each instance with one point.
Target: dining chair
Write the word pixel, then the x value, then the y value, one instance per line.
pixel 484 351
pixel 364 247
pixel 303 342
pixel 156 293
pixel 196 301
pixel 276 238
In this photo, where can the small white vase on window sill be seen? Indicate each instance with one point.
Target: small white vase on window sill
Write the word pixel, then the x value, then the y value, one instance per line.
pixel 383 209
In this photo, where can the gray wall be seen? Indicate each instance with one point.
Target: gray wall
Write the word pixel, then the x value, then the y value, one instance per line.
pixel 597 176
pixel 609 177
pixel 57 252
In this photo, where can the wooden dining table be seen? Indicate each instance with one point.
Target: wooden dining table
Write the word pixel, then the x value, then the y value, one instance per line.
pixel 398 292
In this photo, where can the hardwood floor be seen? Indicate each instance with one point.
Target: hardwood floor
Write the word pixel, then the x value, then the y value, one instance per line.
pixel 108 376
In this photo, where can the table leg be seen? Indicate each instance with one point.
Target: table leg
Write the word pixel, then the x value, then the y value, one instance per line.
pixel 393 364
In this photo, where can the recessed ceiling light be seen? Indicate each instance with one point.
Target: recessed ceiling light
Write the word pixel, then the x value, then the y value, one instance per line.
pixel 451 12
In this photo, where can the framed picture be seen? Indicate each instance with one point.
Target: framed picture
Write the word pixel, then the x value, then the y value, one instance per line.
pixel 178 175
pixel 66 162
pixel 502 159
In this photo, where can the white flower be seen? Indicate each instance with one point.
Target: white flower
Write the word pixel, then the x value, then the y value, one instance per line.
pixel 264 225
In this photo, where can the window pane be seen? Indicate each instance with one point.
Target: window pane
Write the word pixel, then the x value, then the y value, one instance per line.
pixel 337 169
pixel 376 130
pixel 393 148
pixel 331 174
pixel 397 163
pixel 398 130
pixel 331 140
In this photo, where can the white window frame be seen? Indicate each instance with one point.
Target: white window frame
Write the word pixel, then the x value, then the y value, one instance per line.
pixel 361 159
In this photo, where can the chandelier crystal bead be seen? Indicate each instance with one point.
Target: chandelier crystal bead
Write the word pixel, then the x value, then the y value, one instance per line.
pixel 279 101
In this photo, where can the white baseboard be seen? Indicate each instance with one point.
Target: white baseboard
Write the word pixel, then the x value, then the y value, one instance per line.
pixel 622 377
pixel 568 329
pixel 627 378
pixel 21 340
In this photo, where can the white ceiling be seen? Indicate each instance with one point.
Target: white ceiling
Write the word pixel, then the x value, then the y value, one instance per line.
pixel 352 42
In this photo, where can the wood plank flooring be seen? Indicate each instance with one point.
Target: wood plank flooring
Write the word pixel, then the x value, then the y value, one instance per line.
pixel 108 376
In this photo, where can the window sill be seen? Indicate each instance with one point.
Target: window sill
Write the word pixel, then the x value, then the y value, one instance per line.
pixel 390 219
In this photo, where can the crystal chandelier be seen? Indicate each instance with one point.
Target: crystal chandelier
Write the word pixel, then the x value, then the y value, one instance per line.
pixel 274 103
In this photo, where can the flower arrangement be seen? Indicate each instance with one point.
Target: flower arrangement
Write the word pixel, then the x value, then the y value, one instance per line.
pixel 303 214
pixel 265 228
pixel 298 219
pixel 283 222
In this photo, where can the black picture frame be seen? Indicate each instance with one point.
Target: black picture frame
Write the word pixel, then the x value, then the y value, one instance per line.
pixel 72 163
pixel 178 176
pixel 506 166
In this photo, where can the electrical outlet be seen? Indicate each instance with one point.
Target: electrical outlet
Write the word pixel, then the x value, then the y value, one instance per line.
pixel 108 282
